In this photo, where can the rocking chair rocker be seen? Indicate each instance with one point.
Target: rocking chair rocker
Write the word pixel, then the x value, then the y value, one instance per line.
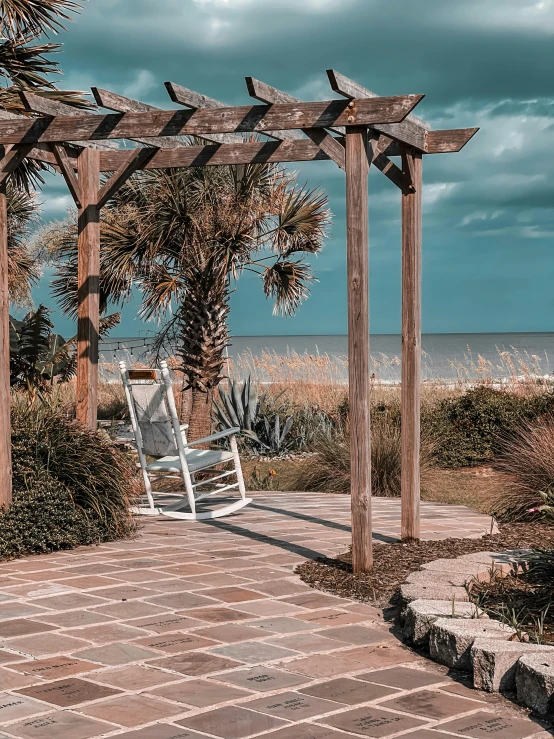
pixel 158 434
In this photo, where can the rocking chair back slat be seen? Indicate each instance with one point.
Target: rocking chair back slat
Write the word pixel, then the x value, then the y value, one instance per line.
pixel 156 430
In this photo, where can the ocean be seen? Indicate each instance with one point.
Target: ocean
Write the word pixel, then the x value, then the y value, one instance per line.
pixel 445 356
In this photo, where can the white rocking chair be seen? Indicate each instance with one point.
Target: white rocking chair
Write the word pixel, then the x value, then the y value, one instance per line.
pixel 158 434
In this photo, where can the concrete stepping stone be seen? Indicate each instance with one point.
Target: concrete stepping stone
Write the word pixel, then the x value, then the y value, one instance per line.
pixel 420 615
pixel 451 639
pixel 535 682
pixel 495 661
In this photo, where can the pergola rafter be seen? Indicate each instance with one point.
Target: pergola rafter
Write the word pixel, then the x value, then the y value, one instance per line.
pixel 355 132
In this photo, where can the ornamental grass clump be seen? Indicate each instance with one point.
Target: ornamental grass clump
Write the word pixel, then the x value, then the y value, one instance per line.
pixel 526 461
pixel 72 485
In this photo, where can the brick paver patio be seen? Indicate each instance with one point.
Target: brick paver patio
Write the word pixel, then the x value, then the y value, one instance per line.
pixel 202 630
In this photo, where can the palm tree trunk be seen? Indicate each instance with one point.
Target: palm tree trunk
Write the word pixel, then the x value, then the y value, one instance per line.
pixel 201 416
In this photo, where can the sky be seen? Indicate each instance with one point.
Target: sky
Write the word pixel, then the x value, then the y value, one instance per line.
pixel 488 221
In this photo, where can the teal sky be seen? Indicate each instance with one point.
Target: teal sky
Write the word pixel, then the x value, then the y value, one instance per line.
pixel 488 235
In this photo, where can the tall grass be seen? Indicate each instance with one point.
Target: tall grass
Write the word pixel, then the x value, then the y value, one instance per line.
pixel 329 469
pixel 526 461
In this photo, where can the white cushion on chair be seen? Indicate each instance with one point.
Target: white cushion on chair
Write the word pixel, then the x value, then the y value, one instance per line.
pixel 197 459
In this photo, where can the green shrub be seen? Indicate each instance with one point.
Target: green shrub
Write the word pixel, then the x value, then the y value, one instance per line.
pixel 67 478
pixel 468 427
pixel 43 518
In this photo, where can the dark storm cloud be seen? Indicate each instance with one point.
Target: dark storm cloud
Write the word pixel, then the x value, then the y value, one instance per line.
pixel 488 210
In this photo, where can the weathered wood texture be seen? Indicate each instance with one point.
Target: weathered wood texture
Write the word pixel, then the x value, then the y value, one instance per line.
pixel 67 169
pixel 411 348
pixel 12 159
pixel 5 423
pixel 250 118
pixel 121 104
pixel 195 100
pixel 38 104
pixel 256 152
pixel 88 288
pixel 357 252
pixel 270 95
pixel 447 141
pixel 410 131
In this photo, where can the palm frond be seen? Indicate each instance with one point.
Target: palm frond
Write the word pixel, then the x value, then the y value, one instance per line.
pixel 302 221
pixel 287 282
pixel 35 17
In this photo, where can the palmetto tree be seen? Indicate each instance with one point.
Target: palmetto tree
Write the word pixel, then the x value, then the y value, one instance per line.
pixel 184 237
pixel 24 62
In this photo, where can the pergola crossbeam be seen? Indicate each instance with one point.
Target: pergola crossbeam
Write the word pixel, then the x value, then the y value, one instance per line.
pixel 195 100
pixel 270 95
pixel 250 118
pixel 122 104
pixel 38 104
pixel 410 131
pixel 252 152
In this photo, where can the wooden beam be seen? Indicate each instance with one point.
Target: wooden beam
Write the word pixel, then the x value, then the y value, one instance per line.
pixel 88 288
pixel 68 172
pixel 255 152
pixel 134 160
pixel 5 422
pixel 121 104
pixel 249 118
pixel 194 100
pixel 357 250
pixel 412 130
pixel 377 144
pixel 324 140
pixel 12 160
pixel 38 104
pixel 411 350
pixel 448 141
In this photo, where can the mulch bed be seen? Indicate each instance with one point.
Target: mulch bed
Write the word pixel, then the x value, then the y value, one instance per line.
pixel 394 562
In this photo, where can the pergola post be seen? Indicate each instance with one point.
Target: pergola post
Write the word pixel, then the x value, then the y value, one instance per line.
pixel 88 166
pixel 411 345
pixel 5 421
pixel 357 250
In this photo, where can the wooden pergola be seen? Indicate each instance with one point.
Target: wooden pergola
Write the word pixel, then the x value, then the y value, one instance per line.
pixel 359 130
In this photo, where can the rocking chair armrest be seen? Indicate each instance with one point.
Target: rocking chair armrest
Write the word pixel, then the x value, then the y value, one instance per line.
pixel 184 426
pixel 214 437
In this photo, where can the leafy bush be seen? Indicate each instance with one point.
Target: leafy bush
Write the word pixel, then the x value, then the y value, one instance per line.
pixel 526 457
pixel 43 518
pixel 469 427
pixel 329 469
pixel 60 466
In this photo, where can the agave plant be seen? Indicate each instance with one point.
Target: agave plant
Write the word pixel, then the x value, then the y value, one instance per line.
pixel 239 406
pixel 274 435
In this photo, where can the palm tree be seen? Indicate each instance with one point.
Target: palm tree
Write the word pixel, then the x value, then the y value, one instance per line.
pixel 23 270
pixel 184 237
pixel 24 62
